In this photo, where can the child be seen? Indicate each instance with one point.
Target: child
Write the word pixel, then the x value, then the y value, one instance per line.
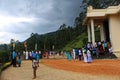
pixel 19 61
pixel 34 65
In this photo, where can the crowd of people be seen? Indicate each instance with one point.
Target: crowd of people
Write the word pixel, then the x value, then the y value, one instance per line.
pixel 84 53
pixel 87 51
pixel 77 54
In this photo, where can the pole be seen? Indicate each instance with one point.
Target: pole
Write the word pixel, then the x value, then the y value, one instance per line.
pixel 36 46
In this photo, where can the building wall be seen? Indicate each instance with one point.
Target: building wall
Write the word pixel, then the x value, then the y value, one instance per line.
pixel 114 26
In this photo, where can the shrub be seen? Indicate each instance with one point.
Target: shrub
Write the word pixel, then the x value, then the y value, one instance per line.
pixel 4 56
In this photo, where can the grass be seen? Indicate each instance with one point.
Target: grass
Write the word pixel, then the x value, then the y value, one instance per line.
pixel 81 40
pixel 78 42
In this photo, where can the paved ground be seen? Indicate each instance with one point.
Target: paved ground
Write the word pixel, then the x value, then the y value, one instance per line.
pixel 48 72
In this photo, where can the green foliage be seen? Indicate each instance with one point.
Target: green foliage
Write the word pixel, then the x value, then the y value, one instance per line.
pixel 99 3
pixel 4 47
pixel 19 47
pixel 4 56
pixel 58 38
pixel 78 42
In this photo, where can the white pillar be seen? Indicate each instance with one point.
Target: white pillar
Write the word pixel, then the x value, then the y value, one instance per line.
pixel 102 33
pixel 89 37
pixel 93 32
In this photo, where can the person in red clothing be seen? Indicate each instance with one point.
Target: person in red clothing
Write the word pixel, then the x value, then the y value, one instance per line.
pixel 47 54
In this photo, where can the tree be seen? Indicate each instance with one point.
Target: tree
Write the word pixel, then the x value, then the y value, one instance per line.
pixel 32 34
pixel 99 3
pixel 62 27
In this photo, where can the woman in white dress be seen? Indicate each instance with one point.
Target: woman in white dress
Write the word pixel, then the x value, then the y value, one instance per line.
pixel 26 55
pixel 89 58
pixel 74 54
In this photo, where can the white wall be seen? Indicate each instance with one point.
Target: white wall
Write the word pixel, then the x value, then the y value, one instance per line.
pixel 114 26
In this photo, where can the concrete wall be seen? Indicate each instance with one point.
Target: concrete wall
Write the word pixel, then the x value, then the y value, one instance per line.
pixel 114 26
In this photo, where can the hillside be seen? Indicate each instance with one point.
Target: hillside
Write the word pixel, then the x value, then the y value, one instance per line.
pixel 78 42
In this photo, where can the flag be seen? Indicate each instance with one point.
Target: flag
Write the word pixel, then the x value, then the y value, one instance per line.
pixel 25 45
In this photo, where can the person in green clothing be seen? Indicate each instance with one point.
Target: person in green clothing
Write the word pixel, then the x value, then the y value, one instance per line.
pixel 69 55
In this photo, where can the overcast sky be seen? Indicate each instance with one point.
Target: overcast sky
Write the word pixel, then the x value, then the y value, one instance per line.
pixel 20 18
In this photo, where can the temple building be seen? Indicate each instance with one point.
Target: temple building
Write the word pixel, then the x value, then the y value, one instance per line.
pixel 108 20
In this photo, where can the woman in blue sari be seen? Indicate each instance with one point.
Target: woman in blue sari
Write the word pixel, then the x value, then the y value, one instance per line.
pixel 69 56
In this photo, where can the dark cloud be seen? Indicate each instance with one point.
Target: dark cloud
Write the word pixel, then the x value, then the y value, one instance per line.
pixel 48 14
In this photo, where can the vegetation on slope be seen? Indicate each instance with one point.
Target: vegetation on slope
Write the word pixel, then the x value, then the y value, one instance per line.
pixel 78 42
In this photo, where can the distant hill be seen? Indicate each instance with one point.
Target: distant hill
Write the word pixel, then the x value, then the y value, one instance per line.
pixel 55 40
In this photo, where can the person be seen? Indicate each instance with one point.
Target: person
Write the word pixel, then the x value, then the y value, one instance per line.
pixel 105 47
pixel 47 54
pixel 13 56
pixel 88 45
pixel 99 45
pixel 110 51
pixel 74 54
pixel 34 66
pixel 97 52
pixel 62 53
pixel 80 54
pixel 54 53
pixel 93 51
pixel 40 53
pixel 19 61
pixel 33 55
pixel 85 55
pixel 26 55
pixel 89 58
pixel 69 56
pixel 65 53
pixel 30 55
pixel 37 58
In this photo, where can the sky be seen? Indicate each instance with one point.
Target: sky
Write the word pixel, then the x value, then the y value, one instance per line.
pixel 20 18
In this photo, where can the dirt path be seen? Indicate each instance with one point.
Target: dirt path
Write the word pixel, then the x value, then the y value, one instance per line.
pixel 48 73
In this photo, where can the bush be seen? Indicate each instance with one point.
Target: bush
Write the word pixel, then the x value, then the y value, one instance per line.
pixel 4 56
